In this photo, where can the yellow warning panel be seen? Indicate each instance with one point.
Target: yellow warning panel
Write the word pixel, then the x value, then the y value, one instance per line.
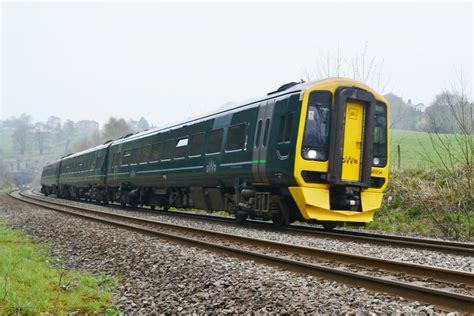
pixel 351 151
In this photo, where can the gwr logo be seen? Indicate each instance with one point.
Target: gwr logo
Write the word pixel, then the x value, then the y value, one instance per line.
pixel 349 160
pixel 211 167
pixel 353 113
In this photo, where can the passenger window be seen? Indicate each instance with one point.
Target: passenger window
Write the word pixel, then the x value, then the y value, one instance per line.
pixel 181 148
pixel 127 155
pixel 265 133
pixel 145 153
pixel 155 152
pixel 259 131
pixel 117 159
pixel 197 144
pixel 168 147
pixel 135 155
pixel 286 122
pixel 214 141
pixel 236 137
pixel 113 161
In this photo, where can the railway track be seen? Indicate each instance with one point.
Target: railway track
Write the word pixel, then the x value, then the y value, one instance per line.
pixel 458 248
pixel 350 269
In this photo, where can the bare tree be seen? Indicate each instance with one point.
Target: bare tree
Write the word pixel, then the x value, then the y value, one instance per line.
pixel 40 134
pixel 21 131
pixel 361 66
pixel 454 152
pixel 68 133
pixel 91 140
pixel 53 123
pixel 143 124
pixel 115 128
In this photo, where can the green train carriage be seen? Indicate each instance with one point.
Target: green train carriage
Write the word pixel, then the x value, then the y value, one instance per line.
pixel 311 151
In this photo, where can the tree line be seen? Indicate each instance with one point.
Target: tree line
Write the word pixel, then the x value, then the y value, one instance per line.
pixel 56 137
pixel 436 118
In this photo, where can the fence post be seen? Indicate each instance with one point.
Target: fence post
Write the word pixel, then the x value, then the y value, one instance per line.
pixel 399 157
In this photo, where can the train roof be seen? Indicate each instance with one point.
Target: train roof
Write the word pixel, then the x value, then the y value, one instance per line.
pixel 86 151
pixel 289 88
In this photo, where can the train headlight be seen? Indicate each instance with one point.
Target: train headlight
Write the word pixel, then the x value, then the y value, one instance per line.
pixel 312 154
pixel 376 161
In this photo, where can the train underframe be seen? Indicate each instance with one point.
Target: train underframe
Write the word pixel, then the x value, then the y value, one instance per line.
pixel 273 203
pixel 264 202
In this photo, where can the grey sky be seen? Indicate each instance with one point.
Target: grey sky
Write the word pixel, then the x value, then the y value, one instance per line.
pixel 167 61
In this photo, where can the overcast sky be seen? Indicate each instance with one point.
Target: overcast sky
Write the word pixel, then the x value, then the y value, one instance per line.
pixel 167 61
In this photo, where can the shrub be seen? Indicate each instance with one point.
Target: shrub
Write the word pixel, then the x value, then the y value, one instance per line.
pixel 431 202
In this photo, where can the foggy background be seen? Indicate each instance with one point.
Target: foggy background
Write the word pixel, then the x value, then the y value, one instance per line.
pixel 167 61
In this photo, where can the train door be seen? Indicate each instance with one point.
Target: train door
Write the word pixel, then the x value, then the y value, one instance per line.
pixel 351 143
pixel 260 150
pixel 351 151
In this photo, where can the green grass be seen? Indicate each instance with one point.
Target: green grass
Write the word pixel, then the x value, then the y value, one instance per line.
pixel 30 285
pixel 416 150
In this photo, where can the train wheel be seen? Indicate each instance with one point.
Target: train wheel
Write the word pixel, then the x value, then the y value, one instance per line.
pixel 281 219
pixel 241 218
pixel 329 226
pixel 281 215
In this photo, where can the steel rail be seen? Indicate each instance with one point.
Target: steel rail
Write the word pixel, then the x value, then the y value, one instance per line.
pixel 459 248
pixel 433 296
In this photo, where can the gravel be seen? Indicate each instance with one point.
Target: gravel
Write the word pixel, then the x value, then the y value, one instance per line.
pixel 420 256
pixel 166 277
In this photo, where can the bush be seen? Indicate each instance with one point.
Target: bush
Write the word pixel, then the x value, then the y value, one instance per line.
pixel 431 202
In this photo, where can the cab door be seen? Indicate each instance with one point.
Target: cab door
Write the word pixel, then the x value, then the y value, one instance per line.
pixel 352 144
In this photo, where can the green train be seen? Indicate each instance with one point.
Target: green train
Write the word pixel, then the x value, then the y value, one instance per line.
pixel 310 151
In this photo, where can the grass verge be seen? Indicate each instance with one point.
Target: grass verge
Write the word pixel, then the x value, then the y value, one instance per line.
pixel 30 285
pixel 431 203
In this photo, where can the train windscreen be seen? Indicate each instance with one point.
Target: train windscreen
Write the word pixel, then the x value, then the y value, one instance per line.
pixel 318 121
pixel 380 135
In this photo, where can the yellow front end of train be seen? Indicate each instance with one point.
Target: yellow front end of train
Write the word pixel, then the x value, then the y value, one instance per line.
pixel 342 152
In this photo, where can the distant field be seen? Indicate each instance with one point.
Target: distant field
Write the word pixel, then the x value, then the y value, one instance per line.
pixel 415 147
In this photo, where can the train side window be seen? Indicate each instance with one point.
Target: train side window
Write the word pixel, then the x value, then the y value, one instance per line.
pixel 113 161
pixel 259 131
pixel 214 141
pixel 155 152
pixel 236 137
pixel 286 122
pixel 265 133
pixel 197 144
pixel 135 155
pixel 145 153
pixel 127 157
pixel 168 147
pixel 181 148
pixel 116 159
